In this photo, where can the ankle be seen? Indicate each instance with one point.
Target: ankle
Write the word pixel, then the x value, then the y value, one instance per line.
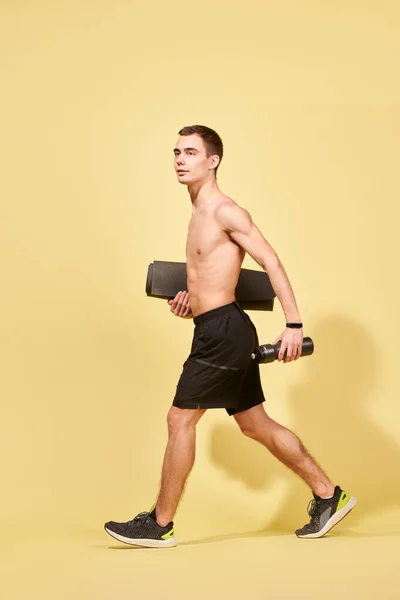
pixel 160 518
pixel 324 491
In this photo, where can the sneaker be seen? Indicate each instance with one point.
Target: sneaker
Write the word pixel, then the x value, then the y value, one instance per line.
pixel 326 513
pixel 143 530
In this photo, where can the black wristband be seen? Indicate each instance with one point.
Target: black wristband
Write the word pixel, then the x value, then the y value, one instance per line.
pixel 294 325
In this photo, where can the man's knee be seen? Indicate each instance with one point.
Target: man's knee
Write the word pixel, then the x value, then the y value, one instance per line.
pixel 251 431
pixel 183 418
pixel 254 422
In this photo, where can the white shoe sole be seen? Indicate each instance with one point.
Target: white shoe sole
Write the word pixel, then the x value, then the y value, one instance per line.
pixel 143 542
pixel 338 516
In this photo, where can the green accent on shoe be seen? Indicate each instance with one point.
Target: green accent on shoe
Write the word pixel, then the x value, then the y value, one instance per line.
pixel 343 500
pixel 168 535
pixel 152 508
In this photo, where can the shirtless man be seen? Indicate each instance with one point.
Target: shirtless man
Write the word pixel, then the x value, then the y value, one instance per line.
pixel 219 372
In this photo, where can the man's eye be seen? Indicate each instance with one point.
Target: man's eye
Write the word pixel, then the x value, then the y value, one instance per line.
pixel 192 153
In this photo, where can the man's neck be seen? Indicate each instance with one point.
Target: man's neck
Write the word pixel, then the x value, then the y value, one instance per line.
pixel 204 193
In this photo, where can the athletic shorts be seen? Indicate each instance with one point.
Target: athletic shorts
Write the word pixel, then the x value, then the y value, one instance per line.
pixel 219 372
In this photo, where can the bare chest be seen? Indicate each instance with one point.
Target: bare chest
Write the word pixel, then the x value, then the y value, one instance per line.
pixel 204 237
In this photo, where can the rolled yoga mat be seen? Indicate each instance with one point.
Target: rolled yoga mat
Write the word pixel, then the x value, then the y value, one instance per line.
pixel 253 291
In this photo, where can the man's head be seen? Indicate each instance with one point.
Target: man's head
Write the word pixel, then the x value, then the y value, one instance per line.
pixel 198 154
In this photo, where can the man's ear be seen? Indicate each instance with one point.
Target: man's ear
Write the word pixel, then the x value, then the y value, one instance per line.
pixel 214 161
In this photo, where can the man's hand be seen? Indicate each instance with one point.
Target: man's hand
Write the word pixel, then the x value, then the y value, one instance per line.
pixel 292 340
pixel 180 305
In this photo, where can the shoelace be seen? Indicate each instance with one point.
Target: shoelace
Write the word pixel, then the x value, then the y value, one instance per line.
pixel 312 507
pixel 140 517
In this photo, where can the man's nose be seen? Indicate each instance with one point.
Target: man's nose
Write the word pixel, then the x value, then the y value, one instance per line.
pixel 180 160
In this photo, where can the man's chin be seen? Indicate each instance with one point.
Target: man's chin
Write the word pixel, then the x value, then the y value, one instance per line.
pixel 185 180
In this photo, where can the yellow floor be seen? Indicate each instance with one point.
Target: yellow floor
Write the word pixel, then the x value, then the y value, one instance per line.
pixel 347 563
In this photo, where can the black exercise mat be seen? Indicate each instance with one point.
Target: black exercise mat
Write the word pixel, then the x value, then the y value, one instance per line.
pixel 253 291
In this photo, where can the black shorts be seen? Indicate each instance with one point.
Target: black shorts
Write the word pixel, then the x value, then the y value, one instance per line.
pixel 219 372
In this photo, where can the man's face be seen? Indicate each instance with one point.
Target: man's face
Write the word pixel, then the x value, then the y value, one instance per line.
pixel 191 162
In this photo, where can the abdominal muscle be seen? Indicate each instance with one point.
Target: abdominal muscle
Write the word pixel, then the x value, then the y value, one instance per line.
pixel 213 263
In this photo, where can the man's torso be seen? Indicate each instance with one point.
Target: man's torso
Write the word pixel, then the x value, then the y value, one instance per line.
pixel 213 262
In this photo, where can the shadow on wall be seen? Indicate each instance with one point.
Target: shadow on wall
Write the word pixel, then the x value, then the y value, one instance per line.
pixel 330 414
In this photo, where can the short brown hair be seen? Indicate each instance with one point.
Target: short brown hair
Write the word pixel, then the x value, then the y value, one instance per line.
pixel 211 139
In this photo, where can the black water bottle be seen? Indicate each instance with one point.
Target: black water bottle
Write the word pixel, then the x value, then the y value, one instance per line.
pixel 269 352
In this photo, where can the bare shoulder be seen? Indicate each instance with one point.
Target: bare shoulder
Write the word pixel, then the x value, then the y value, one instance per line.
pixel 232 216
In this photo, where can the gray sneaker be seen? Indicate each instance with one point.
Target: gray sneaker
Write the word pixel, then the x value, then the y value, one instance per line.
pixel 143 530
pixel 326 513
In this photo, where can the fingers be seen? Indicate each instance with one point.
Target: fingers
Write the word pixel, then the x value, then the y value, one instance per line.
pixel 188 313
pixel 298 352
pixel 289 354
pixel 180 305
pixel 183 304
pixel 293 351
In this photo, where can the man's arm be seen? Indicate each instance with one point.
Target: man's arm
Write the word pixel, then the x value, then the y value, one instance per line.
pixel 237 222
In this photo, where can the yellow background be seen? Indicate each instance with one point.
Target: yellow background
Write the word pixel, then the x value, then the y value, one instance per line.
pixel 305 96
